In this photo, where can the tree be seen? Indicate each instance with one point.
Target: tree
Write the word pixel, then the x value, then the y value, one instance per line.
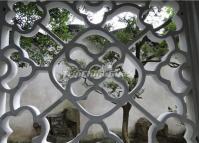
pixel 41 45
pixel 145 50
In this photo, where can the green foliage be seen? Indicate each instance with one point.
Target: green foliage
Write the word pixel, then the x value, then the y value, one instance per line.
pixel 41 48
pixel 171 26
pixel 26 15
pixel 116 89
pixel 44 48
pixel 58 22
pixel 127 34
pixel 111 56
pixel 112 85
pixel 72 69
pixel 95 70
pixel 16 57
pixel 98 41
pixel 170 11
pixel 131 82
pixel 153 50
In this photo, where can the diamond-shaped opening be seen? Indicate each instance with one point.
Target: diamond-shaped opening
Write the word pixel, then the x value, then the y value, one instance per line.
pixel 27 13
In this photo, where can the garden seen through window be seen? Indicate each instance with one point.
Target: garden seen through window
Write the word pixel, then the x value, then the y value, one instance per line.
pixel 94 72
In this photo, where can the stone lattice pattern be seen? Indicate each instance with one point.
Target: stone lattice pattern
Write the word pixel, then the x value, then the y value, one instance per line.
pixel 12 33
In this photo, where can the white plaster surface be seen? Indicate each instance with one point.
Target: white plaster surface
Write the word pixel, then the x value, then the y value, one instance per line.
pixel 41 93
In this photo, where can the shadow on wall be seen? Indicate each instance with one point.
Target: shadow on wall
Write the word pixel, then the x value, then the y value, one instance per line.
pixel 64 128
pixel 140 135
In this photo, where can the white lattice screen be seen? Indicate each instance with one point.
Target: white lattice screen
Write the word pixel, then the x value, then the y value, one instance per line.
pixel 176 45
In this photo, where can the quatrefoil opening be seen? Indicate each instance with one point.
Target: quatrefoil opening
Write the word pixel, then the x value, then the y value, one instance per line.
pixel 14 57
pixel 160 26
pixel 114 49
pixel 185 125
pixel 175 63
pixel 6 130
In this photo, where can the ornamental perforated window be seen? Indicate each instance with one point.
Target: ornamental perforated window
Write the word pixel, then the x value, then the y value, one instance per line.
pixel 94 71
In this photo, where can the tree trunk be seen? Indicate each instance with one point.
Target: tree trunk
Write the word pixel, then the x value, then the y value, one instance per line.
pixel 125 135
pixel 127 107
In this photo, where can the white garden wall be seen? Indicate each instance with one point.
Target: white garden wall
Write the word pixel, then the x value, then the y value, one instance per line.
pixel 41 93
